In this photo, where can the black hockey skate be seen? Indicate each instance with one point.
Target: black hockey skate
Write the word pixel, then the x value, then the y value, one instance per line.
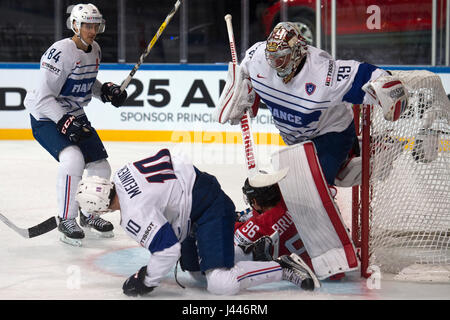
pixel 71 231
pixel 94 222
pixel 295 270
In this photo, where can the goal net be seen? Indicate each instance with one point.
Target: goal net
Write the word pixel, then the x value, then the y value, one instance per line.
pixel 401 211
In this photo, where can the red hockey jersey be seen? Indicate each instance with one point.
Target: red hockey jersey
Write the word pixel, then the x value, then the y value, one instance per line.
pixel 275 219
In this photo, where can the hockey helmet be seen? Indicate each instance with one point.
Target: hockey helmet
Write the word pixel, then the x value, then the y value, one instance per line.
pixel 285 49
pixel 94 194
pixel 85 13
pixel 263 187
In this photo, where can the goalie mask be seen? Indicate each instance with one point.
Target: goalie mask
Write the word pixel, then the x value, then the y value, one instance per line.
pixel 94 194
pixel 285 49
pixel 85 13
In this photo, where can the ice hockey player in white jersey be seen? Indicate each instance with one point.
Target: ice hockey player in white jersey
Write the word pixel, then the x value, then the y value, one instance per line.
pixel 308 93
pixel 310 97
pixel 176 211
pixel 67 83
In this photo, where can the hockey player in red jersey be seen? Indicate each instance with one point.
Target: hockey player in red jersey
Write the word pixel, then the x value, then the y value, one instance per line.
pixel 268 216
pixel 267 230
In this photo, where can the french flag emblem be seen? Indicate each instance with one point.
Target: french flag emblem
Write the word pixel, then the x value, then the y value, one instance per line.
pixel 310 88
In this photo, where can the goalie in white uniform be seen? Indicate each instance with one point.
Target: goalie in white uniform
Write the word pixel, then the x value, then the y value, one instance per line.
pixel 67 83
pixel 176 211
pixel 310 97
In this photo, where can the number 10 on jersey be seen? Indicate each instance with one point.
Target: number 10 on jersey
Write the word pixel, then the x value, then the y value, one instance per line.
pixel 157 168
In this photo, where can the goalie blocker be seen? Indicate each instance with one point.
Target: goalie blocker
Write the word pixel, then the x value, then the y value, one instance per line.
pixel 313 211
pixel 237 97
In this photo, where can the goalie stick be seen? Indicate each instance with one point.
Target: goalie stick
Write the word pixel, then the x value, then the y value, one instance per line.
pixel 37 230
pixel 256 179
pixel 150 45
pixel 247 136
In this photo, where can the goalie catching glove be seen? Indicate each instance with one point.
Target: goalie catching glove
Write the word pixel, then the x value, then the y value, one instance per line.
pixel 390 93
pixel 237 97
pixel 111 93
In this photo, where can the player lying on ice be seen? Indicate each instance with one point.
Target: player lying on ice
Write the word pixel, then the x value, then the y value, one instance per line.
pixel 267 224
pixel 266 231
pixel 310 97
pixel 178 212
pixel 67 83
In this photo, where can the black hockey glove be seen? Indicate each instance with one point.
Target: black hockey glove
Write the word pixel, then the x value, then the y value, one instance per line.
pixel 75 129
pixel 261 249
pixel 134 286
pixel 111 93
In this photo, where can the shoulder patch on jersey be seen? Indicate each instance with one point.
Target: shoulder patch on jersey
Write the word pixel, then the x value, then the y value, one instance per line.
pixel 330 71
pixel 310 88
pixel 151 227
pixel 50 68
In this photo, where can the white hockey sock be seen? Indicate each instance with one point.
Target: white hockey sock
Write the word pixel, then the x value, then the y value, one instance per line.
pixel 254 273
pixel 243 275
pixel 100 168
pixel 71 166
pixel 66 188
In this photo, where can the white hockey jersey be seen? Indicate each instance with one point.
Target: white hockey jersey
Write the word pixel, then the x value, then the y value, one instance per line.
pixel 317 100
pixel 67 81
pixel 155 196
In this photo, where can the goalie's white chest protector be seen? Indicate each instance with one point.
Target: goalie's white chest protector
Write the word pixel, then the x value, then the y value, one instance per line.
pixel 153 192
pixel 317 100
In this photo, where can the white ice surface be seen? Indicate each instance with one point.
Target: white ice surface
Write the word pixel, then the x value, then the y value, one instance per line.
pixel 45 268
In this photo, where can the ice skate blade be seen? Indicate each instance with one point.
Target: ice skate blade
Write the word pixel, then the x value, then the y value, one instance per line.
pixel 106 234
pixel 70 241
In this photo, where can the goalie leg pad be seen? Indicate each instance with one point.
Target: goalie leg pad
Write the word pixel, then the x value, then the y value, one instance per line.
pixel 315 214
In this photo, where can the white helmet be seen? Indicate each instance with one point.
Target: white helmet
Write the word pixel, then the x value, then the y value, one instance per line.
pixel 85 13
pixel 285 49
pixel 94 194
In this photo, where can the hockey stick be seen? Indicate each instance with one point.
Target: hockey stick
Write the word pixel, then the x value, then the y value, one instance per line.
pixel 150 45
pixel 276 243
pixel 247 136
pixel 32 232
